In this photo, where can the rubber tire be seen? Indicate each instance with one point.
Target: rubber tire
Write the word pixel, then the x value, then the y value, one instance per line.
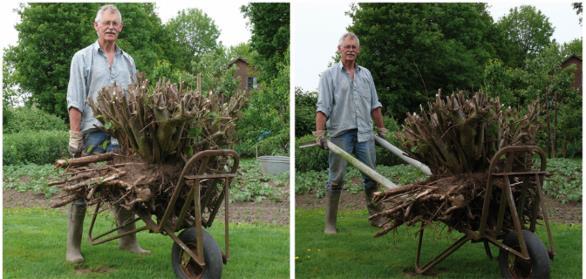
pixel 211 253
pixel 539 258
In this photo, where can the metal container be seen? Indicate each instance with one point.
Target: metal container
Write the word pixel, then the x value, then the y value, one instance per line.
pixel 273 165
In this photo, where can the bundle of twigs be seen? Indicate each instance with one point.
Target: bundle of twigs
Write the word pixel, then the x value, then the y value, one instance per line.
pixel 167 122
pixel 456 137
pixel 158 130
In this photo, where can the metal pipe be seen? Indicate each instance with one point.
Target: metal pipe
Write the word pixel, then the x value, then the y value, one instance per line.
pixel 395 150
pixel 361 166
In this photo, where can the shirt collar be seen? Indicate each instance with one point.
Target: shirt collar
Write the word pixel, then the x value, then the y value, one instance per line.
pixel 341 67
pixel 97 48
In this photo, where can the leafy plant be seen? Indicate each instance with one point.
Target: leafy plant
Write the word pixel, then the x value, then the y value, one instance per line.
pixel 252 185
pixel 565 184
pixel 31 177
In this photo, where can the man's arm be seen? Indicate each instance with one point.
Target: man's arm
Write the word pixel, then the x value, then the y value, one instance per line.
pixel 74 119
pixel 320 121
pixel 377 116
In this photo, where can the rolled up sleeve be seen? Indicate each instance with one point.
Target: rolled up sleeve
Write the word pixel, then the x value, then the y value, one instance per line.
pixel 76 89
pixel 325 95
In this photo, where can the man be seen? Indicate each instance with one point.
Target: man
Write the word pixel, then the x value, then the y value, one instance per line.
pixel 100 64
pixel 346 105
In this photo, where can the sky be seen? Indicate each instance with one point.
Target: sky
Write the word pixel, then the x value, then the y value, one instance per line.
pixel 226 15
pixel 317 26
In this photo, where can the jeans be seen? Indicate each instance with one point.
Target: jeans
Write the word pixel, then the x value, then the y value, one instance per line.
pixel 97 142
pixel 363 151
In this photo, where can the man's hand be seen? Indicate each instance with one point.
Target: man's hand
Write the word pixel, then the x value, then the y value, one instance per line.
pixel 75 143
pixel 382 132
pixel 320 138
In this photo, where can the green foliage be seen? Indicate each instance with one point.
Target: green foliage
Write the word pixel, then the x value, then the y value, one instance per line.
pixel 315 181
pixel 34 243
pixel 354 253
pixel 275 145
pixel 311 158
pixel 305 106
pixel 252 185
pixel 37 147
pixel 565 184
pixel 414 50
pixel 31 119
pixel 267 114
pixel 384 156
pixel 269 24
pixel 527 32
pixel 31 177
pixel 194 34
pixel 50 33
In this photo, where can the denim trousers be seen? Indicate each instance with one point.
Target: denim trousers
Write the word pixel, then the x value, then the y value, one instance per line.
pixel 363 151
pixel 97 142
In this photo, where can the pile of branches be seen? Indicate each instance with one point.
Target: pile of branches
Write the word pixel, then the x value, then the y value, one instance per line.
pixel 158 129
pixel 457 137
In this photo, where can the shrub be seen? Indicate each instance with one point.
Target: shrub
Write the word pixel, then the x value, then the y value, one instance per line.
pixel 31 119
pixel 304 112
pixel 38 147
pixel 312 158
pixel 275 145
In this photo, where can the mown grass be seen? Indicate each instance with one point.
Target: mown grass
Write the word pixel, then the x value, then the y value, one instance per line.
pixel 34 247
pixel 354 253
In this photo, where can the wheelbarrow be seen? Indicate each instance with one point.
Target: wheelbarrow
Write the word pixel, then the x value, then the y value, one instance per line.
pixel 522 254
pixel 194 203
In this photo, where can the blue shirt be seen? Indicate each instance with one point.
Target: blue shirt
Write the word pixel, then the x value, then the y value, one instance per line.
pixel 347 103
pixel 89 73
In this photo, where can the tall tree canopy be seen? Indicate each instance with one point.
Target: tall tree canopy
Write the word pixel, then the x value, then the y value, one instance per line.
pixel 195 34
pixel 528 32
pixel 413 50
pixel 269 24
pixel 49 34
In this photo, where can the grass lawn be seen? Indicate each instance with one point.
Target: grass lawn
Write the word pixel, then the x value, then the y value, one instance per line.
pixel 34 247
pixel 355 253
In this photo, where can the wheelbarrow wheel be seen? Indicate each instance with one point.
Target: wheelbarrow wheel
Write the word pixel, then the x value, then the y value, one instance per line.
pixel 513 267
pixel 185 267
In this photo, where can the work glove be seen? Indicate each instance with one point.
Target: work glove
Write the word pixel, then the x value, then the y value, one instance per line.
pixel 382 132
pixel 320 138
pixel 75 143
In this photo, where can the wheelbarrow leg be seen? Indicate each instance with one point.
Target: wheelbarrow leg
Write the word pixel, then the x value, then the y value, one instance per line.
pixel 448 251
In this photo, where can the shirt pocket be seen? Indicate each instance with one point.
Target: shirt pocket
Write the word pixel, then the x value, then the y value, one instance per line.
pixel 363 90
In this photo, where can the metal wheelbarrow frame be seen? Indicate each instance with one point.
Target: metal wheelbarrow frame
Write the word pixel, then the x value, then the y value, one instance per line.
pixel 194 200
pixel 497 234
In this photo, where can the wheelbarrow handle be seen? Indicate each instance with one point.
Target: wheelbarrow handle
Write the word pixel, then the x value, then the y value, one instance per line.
pixel 402 155
pixel 361 166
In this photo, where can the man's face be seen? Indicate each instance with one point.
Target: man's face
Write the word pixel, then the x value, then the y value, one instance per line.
pixel 109 26
pixel 349 49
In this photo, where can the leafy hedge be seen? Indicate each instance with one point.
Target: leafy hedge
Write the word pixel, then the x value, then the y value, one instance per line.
pixel 30 119
pixel 38 147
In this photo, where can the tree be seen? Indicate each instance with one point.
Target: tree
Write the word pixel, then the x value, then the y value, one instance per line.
pixel 413 50
pixel 195 35
pixel 269 24
pixel 578 7
pixel 49 35
pixel 265 122
pixel 527 32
